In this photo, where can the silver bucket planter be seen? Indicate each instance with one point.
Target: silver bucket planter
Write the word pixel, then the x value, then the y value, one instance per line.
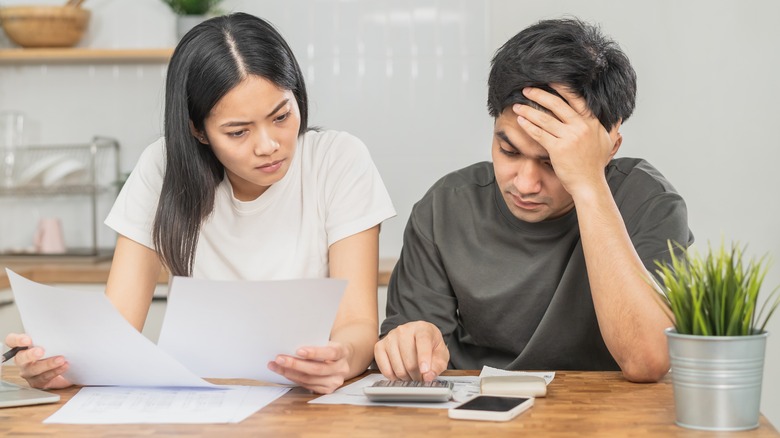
pixel 717 380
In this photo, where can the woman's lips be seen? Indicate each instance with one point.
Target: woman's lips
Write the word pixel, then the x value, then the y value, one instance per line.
pixel 271 167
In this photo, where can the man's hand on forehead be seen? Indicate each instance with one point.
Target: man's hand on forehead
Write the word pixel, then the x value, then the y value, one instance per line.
pixel 578 145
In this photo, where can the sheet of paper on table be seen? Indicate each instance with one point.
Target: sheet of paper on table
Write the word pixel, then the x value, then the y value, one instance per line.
pixel 465 388
pixel 122 405
pixel 136 381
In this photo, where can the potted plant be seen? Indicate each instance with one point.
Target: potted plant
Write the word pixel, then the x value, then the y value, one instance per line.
pixel 190 13
pixel 718 341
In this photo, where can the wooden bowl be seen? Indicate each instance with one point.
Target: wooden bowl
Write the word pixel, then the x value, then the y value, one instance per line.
pixel 44 26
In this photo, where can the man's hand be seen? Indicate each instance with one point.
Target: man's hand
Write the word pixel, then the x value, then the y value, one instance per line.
pixel 579 146
pixel 412 351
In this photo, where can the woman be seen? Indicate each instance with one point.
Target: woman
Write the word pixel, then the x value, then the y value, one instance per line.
pixel 239 188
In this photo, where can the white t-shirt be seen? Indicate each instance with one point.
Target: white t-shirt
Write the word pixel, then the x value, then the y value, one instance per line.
pixel 332 190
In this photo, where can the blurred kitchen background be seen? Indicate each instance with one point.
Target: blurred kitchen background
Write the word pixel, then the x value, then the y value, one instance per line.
pixel 409 78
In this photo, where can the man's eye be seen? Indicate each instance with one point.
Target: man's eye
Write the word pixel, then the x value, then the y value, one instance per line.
pixel 509 153
pixel 548 163
pixel 283 117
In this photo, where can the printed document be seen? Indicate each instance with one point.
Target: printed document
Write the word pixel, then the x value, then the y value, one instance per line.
pixel 114 405
pixel 249 322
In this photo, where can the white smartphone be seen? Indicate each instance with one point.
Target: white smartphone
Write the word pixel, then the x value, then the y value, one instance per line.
pixel 491 408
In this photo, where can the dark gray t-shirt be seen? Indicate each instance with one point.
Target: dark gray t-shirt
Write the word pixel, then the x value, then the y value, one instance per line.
pixel 512 294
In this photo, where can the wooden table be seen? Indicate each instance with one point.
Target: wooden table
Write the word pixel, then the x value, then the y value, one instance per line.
pixel 578 404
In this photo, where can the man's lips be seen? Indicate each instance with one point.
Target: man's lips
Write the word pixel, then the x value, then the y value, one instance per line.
pixel 527 205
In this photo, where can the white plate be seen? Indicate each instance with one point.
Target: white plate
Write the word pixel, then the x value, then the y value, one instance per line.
pixel 67 172
pixel 33 174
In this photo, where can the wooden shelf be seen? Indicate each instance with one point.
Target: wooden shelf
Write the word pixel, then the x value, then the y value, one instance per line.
pixel 83 56
pixel 47 269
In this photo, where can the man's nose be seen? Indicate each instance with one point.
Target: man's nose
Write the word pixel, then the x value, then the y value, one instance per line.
pixel 528 177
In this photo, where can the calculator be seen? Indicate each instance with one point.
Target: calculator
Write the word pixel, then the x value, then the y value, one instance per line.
pixel 409 391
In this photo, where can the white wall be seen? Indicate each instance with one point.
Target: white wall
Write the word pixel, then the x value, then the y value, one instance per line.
pixel 407 77
pixel 707 114
pixel 706 111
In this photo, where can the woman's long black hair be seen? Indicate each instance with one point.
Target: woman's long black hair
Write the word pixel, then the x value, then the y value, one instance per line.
pixel 209 61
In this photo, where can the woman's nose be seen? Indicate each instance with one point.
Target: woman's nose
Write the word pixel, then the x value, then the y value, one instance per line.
pixel 265 144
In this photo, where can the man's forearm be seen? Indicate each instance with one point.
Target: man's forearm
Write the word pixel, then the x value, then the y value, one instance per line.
pixel 629 312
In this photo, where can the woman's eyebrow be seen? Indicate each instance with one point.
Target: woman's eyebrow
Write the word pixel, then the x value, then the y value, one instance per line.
pixel 281 104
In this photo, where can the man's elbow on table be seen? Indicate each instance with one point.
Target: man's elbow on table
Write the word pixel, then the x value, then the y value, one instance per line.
pixel 647 369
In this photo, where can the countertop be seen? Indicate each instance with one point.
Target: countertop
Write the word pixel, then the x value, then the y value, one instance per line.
pixel 578 404
pixel 52 272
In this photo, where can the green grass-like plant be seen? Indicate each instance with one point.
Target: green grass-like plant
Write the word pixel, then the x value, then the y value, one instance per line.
pixel 192 7
pixel 715 294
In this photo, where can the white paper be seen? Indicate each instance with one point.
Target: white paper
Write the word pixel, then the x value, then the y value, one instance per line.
pixel 122 405
pixel 101 347
pixel 232 329
pixel 352 394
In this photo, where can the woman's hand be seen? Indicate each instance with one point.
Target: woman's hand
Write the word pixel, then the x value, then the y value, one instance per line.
pixel 319 369
pixel 39 373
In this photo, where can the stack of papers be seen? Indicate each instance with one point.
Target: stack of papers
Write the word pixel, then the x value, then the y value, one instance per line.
pixel 142 382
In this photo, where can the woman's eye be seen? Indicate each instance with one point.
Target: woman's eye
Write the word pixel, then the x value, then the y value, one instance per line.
pixel 237 134
pixel 283 117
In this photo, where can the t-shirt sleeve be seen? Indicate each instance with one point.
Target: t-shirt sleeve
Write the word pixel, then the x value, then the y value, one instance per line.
pixel 653 211
pixel 419 288
pixel 354 196
pixel 133 212
pixel 660 219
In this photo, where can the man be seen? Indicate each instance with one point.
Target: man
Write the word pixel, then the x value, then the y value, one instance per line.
pixel 540 259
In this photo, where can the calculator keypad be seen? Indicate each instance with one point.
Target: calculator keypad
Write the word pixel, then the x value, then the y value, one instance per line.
pixel 414 384
pixel 409 391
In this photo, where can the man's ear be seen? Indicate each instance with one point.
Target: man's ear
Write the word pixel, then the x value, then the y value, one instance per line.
pixel 617 139
pixel 200 136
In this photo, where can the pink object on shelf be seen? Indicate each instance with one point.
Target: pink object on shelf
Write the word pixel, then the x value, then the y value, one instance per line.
pixel 48 237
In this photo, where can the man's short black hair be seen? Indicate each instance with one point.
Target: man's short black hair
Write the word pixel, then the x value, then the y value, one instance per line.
pixel 569 52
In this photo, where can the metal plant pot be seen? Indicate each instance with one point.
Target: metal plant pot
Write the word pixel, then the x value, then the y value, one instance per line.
pixel 717 380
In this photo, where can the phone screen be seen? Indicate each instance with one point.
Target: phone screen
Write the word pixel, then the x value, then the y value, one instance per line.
pixel 492 403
